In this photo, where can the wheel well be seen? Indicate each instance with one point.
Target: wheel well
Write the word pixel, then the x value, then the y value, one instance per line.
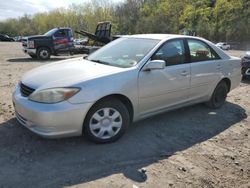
pixel 228 82
pixel 44 47
pixel 125 100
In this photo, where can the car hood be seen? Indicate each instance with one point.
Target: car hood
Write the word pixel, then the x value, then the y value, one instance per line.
pixel 66 73
pixel 36 37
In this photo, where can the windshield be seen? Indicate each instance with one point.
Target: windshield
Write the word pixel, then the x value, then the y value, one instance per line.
pixel 123 52
pixel 51 32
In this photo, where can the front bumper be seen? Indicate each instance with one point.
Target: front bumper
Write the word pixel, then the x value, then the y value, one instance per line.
pixel 29 51
pixel 50 120
pixel 245 70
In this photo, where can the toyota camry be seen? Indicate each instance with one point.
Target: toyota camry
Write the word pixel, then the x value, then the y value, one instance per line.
pixel 129 79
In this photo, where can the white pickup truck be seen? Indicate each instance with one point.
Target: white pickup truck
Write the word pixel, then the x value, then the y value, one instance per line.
pixel 223 45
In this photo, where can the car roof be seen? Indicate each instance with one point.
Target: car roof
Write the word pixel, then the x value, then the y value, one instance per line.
pixel 161 36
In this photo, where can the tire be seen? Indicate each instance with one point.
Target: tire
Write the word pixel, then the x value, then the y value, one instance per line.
pixel 106 121
pixel 219 96
pixel 33 56
pixel 43 53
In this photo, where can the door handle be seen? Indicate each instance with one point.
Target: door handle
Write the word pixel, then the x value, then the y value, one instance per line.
pixel 184 73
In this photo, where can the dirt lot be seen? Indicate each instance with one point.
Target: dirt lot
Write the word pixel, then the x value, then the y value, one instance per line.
pixel 190 147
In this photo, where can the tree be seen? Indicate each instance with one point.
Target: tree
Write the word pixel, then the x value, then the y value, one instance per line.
pixel 217 20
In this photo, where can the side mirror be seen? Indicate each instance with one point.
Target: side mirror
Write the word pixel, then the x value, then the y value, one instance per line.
pixel 154 65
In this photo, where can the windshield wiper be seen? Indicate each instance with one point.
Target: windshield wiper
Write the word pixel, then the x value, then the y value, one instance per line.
pixel 100 61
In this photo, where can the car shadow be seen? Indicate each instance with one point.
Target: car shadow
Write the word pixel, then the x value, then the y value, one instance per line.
pixel 72 161
pixel 30 60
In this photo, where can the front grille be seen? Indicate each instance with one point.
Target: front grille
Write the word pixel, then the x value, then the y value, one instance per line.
pixel 25 90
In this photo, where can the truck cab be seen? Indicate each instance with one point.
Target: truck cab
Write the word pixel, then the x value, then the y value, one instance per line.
pixel 55 42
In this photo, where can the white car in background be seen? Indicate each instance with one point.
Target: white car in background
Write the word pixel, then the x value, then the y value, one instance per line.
pixel 223 46
pixel 80 41
pixel 129 79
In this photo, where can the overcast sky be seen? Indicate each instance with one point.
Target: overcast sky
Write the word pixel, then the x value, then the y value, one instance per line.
pixel 16 8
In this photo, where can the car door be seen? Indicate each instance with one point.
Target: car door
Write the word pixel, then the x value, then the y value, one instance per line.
pixel 60 40
pixel 70 44
pixel 162 88
pixel 206 68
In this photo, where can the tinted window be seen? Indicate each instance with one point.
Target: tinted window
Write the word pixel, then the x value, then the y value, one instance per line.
pixel 51 32
pixel 60 33
pixel 172 52
pixel 199 51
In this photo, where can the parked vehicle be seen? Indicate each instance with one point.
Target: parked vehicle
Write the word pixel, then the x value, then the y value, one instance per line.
pixel 6 38
pixel 60 41
pixel 129 79
pixel 54 42
pixel 223 46
pixel 80 41
pixel 18 38
pixel 246 65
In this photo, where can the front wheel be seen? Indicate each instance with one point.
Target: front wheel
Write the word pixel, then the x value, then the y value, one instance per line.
pixel 43 53
pixel 219 96
pixel 106 121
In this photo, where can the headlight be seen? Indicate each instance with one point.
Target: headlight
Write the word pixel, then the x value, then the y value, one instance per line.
pixel 31 44
pixel 53 95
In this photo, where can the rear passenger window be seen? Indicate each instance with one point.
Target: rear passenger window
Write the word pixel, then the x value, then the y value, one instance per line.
pixel 172 52
pixel 199 51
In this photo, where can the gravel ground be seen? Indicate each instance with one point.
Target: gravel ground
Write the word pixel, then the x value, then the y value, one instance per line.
pixel 189 147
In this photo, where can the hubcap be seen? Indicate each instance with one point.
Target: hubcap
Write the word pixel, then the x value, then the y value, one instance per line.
pixel 105 123
pixel 44 53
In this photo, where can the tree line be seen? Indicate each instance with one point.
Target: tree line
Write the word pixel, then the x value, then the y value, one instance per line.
pixel 216 20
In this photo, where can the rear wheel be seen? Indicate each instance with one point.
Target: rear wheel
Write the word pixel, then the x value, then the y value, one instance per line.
pixel 43 53
pixel 106 121
pixel 219 96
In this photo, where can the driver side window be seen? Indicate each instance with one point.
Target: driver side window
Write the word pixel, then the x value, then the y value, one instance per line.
pixel 172 52
pixel 60 33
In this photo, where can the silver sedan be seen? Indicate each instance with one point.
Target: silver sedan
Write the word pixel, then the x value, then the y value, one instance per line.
pixel 129 79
